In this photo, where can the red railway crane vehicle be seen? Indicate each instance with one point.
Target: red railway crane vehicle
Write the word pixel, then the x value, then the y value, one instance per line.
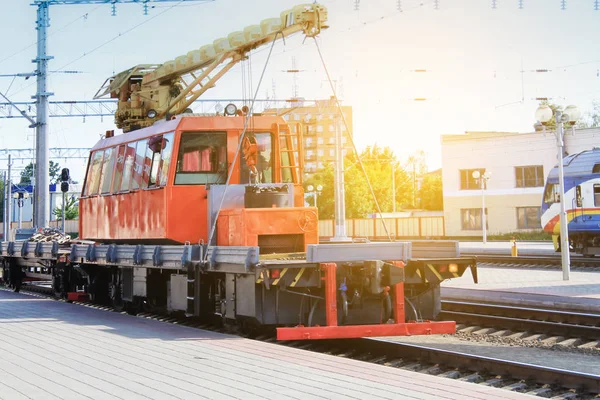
pixel 204 215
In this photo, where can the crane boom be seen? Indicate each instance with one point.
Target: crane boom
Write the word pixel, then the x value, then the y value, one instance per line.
pixel 148 92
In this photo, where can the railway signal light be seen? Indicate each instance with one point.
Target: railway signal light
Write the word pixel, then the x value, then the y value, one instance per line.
pixel 64 175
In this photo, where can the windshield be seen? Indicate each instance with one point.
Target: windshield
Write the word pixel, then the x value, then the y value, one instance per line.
pixel 551 193
pixel 202 158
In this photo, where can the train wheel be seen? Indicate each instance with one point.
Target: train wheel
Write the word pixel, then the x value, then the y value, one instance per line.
pixel 116 297
pixel 134 307
pixel 386 308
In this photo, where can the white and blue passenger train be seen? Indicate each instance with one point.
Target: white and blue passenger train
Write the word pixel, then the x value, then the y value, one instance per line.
pixel 582 202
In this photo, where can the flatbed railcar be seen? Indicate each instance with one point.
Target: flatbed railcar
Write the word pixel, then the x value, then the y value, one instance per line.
pixel 204 215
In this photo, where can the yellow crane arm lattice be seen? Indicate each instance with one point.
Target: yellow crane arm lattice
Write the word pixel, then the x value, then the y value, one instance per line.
pixel 148 92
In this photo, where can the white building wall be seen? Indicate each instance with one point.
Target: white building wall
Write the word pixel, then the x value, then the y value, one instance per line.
pixel 499 153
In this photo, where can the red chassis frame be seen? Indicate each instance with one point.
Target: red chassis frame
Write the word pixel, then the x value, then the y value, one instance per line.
pixel 333 331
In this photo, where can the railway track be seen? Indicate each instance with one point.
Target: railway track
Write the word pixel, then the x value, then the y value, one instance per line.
pixel 535 261
pixel 510 375
pixel 514 376
pixel 533 320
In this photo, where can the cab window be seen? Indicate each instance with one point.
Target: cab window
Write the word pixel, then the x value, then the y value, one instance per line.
pixel 202 158
pixel 120 166
pixel 107 170
pixel 127 167
pixel 158 159
pixel 263 162
pixel 165 158
pixel 93 176
pixel 137 174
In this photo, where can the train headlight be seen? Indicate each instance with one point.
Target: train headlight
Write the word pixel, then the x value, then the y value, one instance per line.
pixel 230 109
pixel 453 268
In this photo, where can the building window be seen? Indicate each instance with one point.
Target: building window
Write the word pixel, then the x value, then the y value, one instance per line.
pixel 529 176
pixel 331 153
pixel 331 128
pixel 467 182
pixel 320 152
pixel 320 140
pixel 528 218
pixel 471 219
pixel 319 128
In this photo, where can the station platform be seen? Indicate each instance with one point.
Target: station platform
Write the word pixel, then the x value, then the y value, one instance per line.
pixel 504 247
pixel 56 350
pixel 528 286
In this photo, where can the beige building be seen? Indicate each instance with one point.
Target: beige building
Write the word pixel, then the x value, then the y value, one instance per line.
pixel 319 120
pixel 518 164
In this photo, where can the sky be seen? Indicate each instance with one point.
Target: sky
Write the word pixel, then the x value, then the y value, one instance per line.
pixel 480 62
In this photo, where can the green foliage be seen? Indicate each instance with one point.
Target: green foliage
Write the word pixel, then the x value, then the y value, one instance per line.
pixel 379 164
pixel 27 173
pixel 431 192
pixel 71 209
pixel 522 236
pixel 591 119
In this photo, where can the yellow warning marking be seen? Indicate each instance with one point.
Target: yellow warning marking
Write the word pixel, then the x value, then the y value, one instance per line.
pixel 455 275
pixel 261 276
pixel 419 273
pixel 297 278
pixel 276 281
pixel 432 268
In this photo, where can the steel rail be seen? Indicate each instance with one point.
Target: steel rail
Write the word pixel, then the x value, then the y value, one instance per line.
pixel 586 262
pixel 565 324
pixel 476 363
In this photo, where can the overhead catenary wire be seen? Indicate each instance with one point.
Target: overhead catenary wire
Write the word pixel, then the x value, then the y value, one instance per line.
pixel 119 35
pixel 352 140
pixel 83 16
pixel 239 148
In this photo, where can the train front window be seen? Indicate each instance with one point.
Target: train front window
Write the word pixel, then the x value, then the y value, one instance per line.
pixel 551 193
pixel 596 195
pixel 202 158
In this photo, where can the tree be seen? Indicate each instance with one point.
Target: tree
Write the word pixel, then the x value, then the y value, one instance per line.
pixel 591 119
pixel 27 173
pixel 431 193
pixel 417 166
pixel 378 163
pixel 71 209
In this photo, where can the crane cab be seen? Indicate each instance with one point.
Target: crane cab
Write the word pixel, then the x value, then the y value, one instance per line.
pixel 166 184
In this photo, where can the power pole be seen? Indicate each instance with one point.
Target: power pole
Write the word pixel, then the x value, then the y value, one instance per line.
pixel 42 198
pixel 7 217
